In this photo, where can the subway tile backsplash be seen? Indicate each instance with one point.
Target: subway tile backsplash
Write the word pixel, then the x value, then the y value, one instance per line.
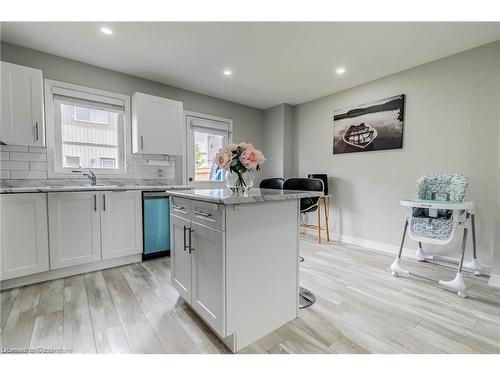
pixel 23 163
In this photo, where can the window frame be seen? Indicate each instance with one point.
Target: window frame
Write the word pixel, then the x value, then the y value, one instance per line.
pixel 208 120
pixel 86 93
pixel 91 121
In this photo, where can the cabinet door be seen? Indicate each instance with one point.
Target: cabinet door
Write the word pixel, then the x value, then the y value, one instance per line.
pixel 22 106
pixel 24 235
pixel 121 223
pixel 181 259
pixel 74 228
pixel 157 125
pixel 208 276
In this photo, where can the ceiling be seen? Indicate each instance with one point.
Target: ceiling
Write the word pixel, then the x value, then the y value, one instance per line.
pixel 272 63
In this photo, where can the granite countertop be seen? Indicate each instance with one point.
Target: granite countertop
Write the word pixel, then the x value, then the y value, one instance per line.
pixel 226 196
pixel 76 187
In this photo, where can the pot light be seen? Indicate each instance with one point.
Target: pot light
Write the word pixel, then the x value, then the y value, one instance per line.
pixel 106 30
pixel 340 71
pixel 227 72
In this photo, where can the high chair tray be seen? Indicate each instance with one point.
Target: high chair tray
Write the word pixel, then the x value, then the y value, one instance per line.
pixel 443 205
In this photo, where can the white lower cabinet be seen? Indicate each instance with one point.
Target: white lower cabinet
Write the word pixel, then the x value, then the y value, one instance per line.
pixel 121 223
pixel 74 228
pixel 85 227
pixel 207 267
pixel 181 273
pixel 24 241
pixel 198 268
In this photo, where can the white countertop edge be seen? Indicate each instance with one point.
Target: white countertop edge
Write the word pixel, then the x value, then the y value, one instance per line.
pixel 49 189
pixel 226 197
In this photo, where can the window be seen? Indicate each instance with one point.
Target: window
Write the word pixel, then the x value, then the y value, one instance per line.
pixel 94 116
pixel 76 137
pixel 206 135
pixel 71 161
pixel 108 163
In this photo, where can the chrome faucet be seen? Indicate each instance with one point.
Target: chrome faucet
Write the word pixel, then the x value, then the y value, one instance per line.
pixel 91 176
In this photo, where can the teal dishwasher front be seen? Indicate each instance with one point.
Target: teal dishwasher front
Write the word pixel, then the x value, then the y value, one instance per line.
pixel 156 224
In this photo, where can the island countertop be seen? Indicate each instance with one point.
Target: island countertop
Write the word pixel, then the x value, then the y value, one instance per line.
pixel 227 197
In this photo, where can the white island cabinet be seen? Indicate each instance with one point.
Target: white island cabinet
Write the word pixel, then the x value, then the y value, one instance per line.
pixel 235 259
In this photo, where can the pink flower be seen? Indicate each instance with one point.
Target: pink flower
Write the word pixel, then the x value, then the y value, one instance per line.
pixel 249 158
pixel 229 148
pixel 245 146
pixel 223 158
pixel 260 157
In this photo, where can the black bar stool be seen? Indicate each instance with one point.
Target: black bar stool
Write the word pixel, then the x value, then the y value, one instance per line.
pixel 306 298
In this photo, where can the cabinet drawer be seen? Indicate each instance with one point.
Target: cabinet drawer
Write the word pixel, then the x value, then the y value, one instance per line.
pixel 209 214
pixel 180 207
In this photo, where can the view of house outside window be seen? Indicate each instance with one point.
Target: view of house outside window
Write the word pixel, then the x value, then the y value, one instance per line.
pixel 89 137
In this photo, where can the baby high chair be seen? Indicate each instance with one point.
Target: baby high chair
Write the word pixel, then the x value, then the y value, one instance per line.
pixel 434 217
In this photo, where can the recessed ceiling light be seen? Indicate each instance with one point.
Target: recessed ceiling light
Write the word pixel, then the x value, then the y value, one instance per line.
pixel 227 72
pixel 340 71
pixel 106 30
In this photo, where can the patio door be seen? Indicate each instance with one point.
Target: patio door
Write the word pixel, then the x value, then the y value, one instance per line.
pixel 205 136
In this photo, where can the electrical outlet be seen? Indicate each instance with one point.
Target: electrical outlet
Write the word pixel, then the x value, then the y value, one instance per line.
pixel 159 173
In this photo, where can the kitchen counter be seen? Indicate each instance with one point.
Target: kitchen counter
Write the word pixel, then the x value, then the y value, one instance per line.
pixel 75 187
pixel 226 196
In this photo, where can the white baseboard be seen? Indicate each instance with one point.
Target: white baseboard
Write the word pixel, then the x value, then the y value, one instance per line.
pixel 394 249
pixel 494 281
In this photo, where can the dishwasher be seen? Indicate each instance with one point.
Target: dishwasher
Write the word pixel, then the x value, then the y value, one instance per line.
pixel 156 224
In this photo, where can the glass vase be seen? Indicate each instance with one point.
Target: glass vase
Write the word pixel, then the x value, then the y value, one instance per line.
pixel 240 183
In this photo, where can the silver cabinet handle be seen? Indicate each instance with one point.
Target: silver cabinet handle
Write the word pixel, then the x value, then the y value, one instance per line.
pixel 142 142
pixel 95 203
pixel 190 240
pixel 36 131
pixel 200 213
pixel 185 245
pixel 176 207
pixel 104 202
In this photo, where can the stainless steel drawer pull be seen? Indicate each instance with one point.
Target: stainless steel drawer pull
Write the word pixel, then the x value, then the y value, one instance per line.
pixel 142 142
pixel 186 246
pixel 104 202
pixel 190 240
pixel 95 203
pixel 176 207
pixel 204 214
pixel 36 131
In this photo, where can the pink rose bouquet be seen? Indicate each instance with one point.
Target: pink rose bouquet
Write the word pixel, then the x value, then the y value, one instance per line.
pixel 239 159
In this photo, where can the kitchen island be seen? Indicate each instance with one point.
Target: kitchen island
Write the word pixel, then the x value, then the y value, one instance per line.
pixel 235 259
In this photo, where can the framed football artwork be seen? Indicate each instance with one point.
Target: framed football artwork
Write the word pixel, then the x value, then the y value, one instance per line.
pixel 369 127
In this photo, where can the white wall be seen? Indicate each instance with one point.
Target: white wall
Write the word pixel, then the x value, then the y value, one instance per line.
pixel 278 141
pixel 451 125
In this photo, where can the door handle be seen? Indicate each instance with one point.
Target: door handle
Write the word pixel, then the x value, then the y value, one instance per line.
pixel 142 142
pixel 104 202
pixel 190 240
pixel 95 202
pixel 176 207
pixel 36 131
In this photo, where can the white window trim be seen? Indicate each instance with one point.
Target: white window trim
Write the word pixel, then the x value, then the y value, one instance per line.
pixel 189 147
pixel 52 87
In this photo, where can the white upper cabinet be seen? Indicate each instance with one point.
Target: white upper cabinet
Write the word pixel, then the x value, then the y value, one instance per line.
pixel 22 106
pixel 157 125
pixel 24 245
